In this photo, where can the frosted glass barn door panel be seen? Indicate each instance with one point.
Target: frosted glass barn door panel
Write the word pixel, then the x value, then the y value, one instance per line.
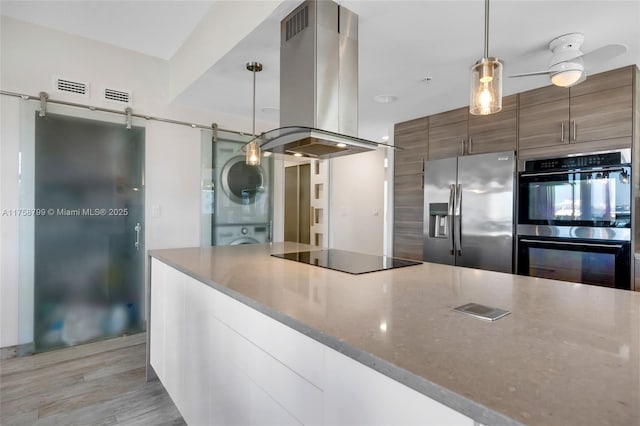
pixel 88 241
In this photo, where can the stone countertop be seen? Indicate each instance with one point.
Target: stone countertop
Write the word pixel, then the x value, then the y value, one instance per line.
pixel 568 354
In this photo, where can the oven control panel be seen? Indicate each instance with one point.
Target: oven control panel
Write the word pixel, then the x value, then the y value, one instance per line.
pixel 568 163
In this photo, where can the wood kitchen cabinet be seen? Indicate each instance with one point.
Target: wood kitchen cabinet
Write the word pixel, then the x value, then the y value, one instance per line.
pixel 457 132
pixel 544 114
pixel 598 111
pixel 495 132
pixel 412 136
pixel 448 133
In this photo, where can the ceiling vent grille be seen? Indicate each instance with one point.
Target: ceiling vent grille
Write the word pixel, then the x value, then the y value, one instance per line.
pixel 70 86
pixel 119 96
pixel 297 23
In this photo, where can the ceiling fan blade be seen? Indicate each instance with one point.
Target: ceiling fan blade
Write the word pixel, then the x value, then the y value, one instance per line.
pixel 603 54
pixel 526 74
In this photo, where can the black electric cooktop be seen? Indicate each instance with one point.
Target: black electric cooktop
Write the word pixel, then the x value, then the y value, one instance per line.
pixel 346 261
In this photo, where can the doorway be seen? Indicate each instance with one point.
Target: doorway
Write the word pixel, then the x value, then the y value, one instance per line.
pixel 88 230
pixel 297 203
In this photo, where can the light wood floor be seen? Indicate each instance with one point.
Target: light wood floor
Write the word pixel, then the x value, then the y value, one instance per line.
pixel 99 383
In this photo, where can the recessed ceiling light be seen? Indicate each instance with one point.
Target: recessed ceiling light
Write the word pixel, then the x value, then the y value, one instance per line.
pixel 341 145
pixel 385 99
pixel 385 138
pixel 266 154
pixel 297 154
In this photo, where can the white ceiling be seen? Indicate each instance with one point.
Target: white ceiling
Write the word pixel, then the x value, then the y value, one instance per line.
pixel 400 43
pixel 155 28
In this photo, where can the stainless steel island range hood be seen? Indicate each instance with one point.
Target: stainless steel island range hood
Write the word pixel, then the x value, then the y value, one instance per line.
pixel 318 84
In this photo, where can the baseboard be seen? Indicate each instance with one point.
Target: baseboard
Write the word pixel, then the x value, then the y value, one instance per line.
pixel 17 351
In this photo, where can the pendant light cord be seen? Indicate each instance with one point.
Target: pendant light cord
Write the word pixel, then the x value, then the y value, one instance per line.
pixel 486 28
pixel 253 129
pixel 254 67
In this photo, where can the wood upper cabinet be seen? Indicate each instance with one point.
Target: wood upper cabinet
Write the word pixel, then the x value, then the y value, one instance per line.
pixel 448 133
pixel 599 109
pixel 495 132
pixel 457 132
pixel 412 136
pixel 602 115
pixel 544 117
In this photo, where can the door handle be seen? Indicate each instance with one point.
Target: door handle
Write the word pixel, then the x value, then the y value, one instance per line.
pixel 458 217
pixel 469 146
pixel 562 131
pixel 452 190
pixel 575 130
pixel 137 229
pixel 462 145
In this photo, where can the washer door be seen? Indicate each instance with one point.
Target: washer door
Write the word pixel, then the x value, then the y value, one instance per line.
pixel 240 181
pixel 243 240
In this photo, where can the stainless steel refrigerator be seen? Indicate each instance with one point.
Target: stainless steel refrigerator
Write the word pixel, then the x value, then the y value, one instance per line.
pixel 468 211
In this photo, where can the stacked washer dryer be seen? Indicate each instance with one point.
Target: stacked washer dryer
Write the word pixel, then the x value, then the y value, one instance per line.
pixel 243 197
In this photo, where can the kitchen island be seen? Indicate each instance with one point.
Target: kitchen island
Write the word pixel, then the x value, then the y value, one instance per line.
pixel 239 337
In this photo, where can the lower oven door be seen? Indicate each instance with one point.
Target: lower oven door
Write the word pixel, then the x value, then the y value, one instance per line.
pixel 603 263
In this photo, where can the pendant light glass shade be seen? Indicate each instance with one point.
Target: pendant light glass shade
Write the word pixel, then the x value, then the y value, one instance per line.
pixel 252 153
pixel 486 78
pixel 486 87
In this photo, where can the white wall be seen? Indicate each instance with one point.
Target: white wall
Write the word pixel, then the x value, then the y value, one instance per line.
pixel 356 205
pixel 172 174
pixel 9 291
pixel 30 57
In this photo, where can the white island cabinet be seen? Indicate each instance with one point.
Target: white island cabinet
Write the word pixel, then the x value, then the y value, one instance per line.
pixel 225 363
pixel 239 335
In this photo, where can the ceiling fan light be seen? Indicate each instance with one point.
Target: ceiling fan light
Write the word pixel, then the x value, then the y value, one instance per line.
pixel 486 93
pixel 566 78
pixel 567 73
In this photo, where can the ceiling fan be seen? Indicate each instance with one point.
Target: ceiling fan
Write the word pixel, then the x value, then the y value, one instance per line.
pixel 568 63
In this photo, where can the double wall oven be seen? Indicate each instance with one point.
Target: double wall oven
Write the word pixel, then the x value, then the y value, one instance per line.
pixel 574 219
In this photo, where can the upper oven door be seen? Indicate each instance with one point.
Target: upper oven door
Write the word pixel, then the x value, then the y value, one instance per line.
pixel 589 198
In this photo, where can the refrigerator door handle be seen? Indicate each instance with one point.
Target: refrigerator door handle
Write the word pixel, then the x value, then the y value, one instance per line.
pixel 458 218
pixel 452 191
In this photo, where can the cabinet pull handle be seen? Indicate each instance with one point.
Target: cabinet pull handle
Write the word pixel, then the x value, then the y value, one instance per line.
pixel 462 145
pixel 469 146
pixel 562 131
pixel 137 230
pixel 575 131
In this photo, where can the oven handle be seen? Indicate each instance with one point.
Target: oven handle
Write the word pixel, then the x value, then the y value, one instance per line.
pixel 618 246
pixel 614 169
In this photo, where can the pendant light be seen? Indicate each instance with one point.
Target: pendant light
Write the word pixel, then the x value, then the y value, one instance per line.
pixel 486 78
pixel 252 149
